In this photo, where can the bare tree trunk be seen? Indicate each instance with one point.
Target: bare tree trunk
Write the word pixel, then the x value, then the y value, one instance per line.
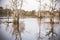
pixel 7 20
pixel 52 27
pixel 20 36
pixel 39 21
pixel 19 15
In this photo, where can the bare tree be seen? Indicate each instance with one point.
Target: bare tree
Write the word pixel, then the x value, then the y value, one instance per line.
pixel 14 5
pixel 51 33
pixel 39 20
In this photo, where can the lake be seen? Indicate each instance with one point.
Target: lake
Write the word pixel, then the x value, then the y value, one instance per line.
pixel 31 28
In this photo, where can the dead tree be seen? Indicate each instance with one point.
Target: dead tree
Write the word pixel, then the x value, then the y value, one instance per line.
pixel 17 31
pixel 52 35
pixel 39 20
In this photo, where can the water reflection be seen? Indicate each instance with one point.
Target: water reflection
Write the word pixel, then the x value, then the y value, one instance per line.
pixel 31 29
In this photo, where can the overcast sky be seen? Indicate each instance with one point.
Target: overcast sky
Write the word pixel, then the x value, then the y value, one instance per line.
pixel 29 4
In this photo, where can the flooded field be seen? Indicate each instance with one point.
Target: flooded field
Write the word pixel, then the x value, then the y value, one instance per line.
pixel 31 28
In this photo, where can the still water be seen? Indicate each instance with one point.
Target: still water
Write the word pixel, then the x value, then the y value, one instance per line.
pixel 31 29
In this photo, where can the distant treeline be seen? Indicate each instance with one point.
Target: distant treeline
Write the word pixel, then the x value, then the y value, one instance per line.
pixel 33 13
pixel 5 12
